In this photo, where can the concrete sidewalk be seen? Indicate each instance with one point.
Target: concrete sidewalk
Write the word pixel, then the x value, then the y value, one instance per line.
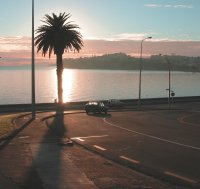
pixel 35 159
pixel 36 150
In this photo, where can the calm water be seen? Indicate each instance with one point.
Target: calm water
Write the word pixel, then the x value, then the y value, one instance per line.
pixel 81 85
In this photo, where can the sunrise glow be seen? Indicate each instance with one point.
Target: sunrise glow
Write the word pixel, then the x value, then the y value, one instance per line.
pixel 68 79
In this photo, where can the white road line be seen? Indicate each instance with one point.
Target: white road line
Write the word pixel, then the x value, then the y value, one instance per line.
pixel 151 136
pixel 99 147
pixel 98 136
pixel 181 177
pixel 130 159
pixel 77 138
pixel 181 120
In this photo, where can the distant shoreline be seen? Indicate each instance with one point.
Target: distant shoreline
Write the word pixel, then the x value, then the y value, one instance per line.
pixel 25 67
pixel 53 66
pixel 121 61
pixel 109 69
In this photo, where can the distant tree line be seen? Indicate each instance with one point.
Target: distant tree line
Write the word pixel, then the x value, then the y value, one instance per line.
pixel 122 61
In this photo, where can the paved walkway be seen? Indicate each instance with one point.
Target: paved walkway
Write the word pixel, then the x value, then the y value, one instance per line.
pixel 36 150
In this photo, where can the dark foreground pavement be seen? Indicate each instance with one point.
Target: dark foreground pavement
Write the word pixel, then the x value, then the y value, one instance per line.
pixel 39 157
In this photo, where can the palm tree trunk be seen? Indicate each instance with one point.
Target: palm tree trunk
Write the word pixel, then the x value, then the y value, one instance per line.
pixel 59 65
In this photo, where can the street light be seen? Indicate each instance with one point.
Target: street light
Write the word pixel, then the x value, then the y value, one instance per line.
pixel 169 89
pixel 33 65
pixel 139 98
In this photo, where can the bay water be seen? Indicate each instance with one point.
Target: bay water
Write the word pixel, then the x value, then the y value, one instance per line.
pixel 85 85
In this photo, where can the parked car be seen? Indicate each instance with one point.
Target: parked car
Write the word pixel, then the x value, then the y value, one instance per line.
pixel 115 103
pixel 96 107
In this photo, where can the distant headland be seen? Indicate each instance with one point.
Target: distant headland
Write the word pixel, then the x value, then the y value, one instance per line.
pixel 122 61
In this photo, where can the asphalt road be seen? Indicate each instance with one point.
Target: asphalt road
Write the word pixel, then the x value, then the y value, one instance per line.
pixel 163 143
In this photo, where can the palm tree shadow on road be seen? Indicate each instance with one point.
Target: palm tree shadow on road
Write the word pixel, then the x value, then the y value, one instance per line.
pixel 57 126
pixel 48 155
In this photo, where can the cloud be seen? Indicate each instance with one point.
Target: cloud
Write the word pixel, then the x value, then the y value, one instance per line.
pixel 128 36
pixel 17 43
pixel 153 5
pixel 122 37
pixel 18 49
pixel 183 6
pixel 139 37
pixel 178 6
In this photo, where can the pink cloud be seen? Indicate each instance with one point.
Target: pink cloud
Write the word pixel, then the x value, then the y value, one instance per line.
pixel 18 49
pixel 18 43
pixel 185 48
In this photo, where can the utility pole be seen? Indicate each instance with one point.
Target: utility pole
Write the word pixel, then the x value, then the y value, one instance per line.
pixel 140 82
pixel 33 65
pixel 169 95
pixel 169 81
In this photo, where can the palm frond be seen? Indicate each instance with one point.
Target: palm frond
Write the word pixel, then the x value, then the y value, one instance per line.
pixel 58 34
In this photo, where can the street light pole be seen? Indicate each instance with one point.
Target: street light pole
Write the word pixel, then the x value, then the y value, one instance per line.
pixel 33 65
pixel 139 97
pixel 169 94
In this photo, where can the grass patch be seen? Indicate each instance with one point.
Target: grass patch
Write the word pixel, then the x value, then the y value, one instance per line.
pixel 6 124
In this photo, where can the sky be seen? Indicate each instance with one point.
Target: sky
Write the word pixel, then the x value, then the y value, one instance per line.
pixel 108 26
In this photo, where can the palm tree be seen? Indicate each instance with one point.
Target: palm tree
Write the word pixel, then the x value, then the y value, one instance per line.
pixel 58 36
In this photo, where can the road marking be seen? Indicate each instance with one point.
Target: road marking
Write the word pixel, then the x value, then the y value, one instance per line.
pixel 130 159
pixel 180 177
pixel 77 138
pixel 182 120
pixel 81 138
pixel 99 147
pixel 151 136
pixel 98 136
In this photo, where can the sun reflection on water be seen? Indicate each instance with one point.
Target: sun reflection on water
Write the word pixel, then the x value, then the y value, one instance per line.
pixel 68 79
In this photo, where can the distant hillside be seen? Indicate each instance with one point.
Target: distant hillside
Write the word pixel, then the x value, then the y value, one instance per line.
pixel 121 61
